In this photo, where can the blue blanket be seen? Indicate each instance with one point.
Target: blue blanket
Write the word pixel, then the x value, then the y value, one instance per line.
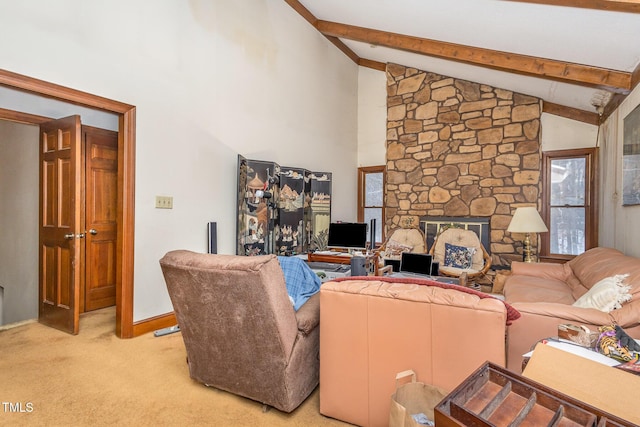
pixel 301 281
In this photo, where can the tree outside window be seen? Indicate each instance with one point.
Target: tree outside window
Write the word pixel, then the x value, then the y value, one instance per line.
pixel 371 198
pixel 569 209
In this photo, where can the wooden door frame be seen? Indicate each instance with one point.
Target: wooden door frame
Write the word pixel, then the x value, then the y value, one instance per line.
pixel 126 177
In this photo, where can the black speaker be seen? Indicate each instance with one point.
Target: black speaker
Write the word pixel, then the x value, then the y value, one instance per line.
pixel 358 266
pixel 435 268
pixel 212 233
pixel 372 234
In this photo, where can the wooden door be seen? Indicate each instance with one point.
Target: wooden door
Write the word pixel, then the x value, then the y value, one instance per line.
pixel 101 182
pixel 61 228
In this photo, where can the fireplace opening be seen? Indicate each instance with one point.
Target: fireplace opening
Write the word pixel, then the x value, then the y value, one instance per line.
pixel 432 225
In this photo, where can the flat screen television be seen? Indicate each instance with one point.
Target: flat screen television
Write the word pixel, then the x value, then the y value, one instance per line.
pixel 347 235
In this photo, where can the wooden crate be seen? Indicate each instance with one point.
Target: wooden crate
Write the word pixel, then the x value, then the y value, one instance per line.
pixel 494 396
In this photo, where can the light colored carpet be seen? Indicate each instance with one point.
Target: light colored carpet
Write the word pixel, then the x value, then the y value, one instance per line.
pixel 95 378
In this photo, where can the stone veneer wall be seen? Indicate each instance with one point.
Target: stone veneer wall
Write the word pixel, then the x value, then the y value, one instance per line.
pixel 457 148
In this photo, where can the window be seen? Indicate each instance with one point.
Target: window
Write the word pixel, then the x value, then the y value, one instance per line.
pixel 569 203
pixel 371 197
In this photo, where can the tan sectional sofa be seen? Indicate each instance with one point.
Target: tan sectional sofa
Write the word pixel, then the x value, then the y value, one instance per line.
pixel 543 293
pixel 373 329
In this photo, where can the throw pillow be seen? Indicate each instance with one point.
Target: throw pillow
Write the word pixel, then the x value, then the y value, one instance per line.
pixel 458 256
pixel 394 249
pixel 606 295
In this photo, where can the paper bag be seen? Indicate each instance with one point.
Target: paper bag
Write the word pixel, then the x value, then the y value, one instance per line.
pixel 413 398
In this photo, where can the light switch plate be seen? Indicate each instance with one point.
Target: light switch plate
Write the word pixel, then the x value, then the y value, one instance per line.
pixel 164 202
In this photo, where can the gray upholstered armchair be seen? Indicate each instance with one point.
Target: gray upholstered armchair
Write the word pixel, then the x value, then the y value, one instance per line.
pixel 240 330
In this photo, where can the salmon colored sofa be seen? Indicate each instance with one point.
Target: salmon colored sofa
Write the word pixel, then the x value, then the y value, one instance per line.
pixel 373 328
pixel 543 293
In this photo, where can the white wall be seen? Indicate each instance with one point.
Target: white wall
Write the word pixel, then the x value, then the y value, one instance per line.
pixel 559 133
pixel 372 117
pixel 19 201
pixel 210 80
pixel 618 224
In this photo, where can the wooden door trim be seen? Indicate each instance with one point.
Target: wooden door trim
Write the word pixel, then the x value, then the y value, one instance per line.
pixel 25 118
pixel 126 177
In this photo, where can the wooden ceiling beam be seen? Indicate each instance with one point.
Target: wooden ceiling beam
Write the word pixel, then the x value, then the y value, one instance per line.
pixel 601 78
pixel 302 11
pixel 375 65
pixel 344 48
pixel 571 113
pixel 306 14
pixel 607 5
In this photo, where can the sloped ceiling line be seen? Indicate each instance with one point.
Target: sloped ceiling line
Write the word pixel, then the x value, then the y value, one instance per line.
pixel 608 5
pixel 612 80
pixel 620 83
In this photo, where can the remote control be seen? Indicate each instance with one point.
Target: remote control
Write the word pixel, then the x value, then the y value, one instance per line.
pixel 166 331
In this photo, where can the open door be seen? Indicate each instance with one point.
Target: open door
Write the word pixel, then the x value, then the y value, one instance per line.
pixel 60 223
pixel 100 218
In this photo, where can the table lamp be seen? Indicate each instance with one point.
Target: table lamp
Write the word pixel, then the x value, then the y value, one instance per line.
pixel 527 220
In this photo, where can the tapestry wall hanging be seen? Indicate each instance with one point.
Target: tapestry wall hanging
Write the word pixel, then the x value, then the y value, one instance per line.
pixel 631 159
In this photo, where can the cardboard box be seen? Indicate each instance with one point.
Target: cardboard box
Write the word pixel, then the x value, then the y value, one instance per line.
pixel 604 387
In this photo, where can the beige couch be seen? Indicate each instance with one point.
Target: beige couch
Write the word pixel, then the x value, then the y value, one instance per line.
pixel 373 329
pixel 543 293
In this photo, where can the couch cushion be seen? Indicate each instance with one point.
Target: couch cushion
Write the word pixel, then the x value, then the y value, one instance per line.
pixel 522 288
pixel 547 270
pixel 595 264
pixel 599 263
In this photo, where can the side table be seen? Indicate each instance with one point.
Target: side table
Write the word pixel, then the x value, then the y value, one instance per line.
pixel 371 259
pixel 330 258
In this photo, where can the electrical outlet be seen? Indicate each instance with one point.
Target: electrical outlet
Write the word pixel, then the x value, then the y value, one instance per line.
pixel 164 202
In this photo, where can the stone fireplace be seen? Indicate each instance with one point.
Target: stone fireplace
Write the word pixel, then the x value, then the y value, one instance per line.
pixel 460 149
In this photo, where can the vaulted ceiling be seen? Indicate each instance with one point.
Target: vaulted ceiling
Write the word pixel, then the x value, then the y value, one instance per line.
pixel 582 57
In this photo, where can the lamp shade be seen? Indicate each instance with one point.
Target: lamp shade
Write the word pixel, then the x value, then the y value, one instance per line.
pixel 527 220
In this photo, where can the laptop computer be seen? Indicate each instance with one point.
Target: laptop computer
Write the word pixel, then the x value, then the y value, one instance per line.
pixel 421 266
pixel 415 265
